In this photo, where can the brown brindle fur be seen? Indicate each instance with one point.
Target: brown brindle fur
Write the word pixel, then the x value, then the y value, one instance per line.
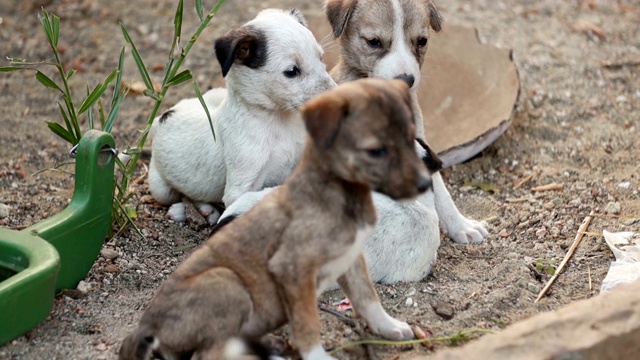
pixel 263 269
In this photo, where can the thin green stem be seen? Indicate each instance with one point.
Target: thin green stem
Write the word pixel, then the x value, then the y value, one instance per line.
pixel 462 335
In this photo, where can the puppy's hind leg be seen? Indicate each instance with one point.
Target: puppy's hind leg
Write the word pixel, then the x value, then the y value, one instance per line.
pixel 164 194
pixel 357 285
pixel 209 211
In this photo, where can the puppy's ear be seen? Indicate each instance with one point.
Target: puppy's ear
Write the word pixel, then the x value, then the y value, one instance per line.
pixel 297 14
pixel 338 12
pixel 430 159
pixel 323 116
pixel 435 20
pixel 246 45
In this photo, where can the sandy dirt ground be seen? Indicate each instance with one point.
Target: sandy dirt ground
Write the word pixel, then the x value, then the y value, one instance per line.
pixel 576 124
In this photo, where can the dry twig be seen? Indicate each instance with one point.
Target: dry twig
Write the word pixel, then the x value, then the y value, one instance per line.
pixel 572 249
pixel 548 187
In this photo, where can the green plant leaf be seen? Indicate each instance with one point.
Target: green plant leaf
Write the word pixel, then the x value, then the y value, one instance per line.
pixel 177 25
pixel 73 117
pixel 131 211
pixel 62 132
pixel 51 25
pixel 117 91
pixel 204 106
pixel 71 73
pixel 97 92
pixel 65 117
pixel 180 78
pixel 13 68
pixel 199 10
pixel 90 113
pixel 46 81
pixel 108 125
pixel 138 59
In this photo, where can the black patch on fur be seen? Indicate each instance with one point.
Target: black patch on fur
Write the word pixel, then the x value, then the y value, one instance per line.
pixel 245 45
pixel 259 350
pixel 165 116
pixel 431 160
pixel 222 223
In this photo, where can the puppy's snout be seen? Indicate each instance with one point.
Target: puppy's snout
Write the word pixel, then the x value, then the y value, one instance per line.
pixel 423 183
pixel 409 79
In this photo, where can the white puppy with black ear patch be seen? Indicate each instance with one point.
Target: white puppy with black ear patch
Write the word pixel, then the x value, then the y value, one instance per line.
pixel 271 65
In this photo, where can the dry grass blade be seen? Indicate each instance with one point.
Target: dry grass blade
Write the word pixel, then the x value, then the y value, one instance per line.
pixel 572 249
pixel 548 187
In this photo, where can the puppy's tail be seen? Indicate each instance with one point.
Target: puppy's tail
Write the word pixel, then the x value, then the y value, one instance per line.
pixel 237 348
pixel 137 345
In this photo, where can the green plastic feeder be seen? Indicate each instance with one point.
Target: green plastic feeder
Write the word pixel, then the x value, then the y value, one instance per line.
pixel 32 270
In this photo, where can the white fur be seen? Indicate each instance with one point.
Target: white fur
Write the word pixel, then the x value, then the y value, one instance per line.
pixel 383 324
pixel 400 59
pixel 259 133
pixel 316 353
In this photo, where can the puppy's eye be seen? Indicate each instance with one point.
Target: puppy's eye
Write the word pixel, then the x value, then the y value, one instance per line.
pixel 374 43
pixel 422 41
pixel 292 72
pixel 377 152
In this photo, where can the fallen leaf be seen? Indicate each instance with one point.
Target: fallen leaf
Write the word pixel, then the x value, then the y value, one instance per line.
pixel 589 28
pixel 484 186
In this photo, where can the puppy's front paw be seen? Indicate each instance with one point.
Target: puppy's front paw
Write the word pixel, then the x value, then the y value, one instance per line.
pixel 316 353
pixel 384 325
pixel 466 231
pixel 394 329
pixel 177 212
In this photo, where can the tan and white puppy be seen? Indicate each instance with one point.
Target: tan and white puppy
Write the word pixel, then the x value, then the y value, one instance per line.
pixel 268 267
pixel 389 39
pixel 271 65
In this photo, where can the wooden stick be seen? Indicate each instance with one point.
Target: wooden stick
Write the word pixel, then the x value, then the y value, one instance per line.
pixel 548 187
pixel 572 249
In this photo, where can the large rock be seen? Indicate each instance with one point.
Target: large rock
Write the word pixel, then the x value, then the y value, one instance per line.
pixel 604 327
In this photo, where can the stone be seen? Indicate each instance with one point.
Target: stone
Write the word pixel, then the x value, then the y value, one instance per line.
pixel 612 208
pixel 108 253
pixel 444 310
pixel 4 211
pixel 83 287
pixel 606 326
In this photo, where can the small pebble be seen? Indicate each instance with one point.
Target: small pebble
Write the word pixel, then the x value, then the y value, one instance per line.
pixel 540 233
pixel 533 288
pixel 625 185
pixel 83 287
pixel 444 310
pixel 4 211
pixel 503 233
pixel 108 253
pixel 612 208
pixel 409 302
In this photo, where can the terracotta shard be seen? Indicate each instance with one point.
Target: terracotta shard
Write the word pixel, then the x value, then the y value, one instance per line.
pixel 467 93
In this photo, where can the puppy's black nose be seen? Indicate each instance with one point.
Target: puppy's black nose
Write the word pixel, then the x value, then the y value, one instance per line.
pixel 409 79
pixel 423 184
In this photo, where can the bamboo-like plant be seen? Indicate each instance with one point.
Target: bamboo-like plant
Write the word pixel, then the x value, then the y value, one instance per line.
pixel 71 112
